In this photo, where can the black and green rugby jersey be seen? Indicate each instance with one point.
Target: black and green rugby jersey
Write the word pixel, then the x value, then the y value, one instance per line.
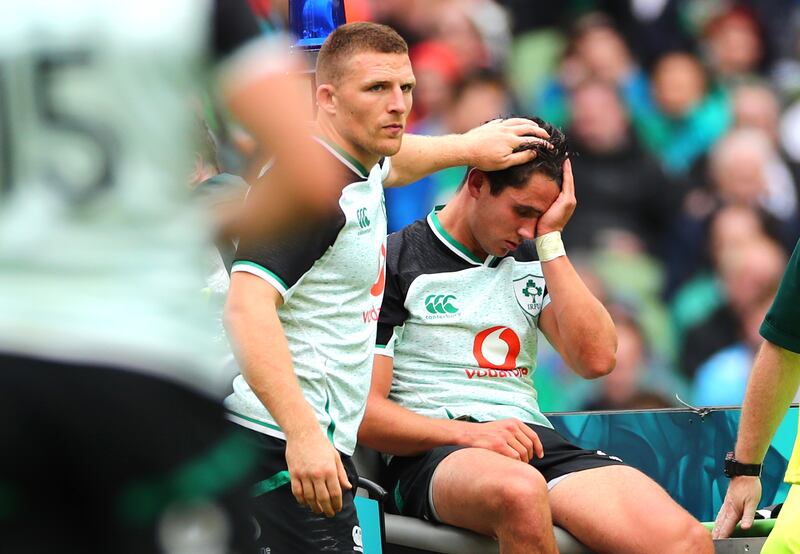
pixel 781 326
pixel 462 332
pixel 331 278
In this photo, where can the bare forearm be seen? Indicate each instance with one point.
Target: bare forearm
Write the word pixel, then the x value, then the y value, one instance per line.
pixel 395 430
pixel 584 325
pixel 421 156
pixel 492 146
pixel 773 382
pixel 263 354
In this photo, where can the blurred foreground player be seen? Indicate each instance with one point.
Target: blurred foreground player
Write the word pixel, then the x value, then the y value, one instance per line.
pixel 111 441
pixel 773 383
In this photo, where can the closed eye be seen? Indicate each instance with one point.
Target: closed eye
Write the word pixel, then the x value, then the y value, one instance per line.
pixel 527 212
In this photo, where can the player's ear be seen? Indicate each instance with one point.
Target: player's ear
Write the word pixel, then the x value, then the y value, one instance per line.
pixel 476 179
pixel 326 98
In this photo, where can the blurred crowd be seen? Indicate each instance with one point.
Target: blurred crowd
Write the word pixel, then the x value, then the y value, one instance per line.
pixel 683 117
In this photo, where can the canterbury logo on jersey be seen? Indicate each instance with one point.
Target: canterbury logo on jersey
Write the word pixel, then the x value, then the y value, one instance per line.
pixel 440 304
pixel 361 217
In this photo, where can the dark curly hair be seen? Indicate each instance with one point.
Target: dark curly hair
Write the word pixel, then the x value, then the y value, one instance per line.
pixel 548 161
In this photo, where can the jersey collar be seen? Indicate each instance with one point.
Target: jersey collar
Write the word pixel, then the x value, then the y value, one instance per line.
pixel 338 152
pixel 453 245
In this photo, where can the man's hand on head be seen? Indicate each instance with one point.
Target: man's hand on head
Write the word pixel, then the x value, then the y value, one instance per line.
pixel 502 143
pixel 559 212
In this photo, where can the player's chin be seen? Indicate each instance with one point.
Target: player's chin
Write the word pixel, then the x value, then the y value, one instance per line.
pixel 389 146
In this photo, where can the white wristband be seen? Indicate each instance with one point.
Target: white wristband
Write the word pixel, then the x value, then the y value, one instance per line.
pixel 549 246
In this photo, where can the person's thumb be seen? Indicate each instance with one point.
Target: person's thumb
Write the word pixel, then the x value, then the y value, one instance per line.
pixel 343 480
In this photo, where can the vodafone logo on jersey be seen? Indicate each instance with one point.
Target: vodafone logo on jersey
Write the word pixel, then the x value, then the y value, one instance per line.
pixel 371 315
pixel 496 350
pixel 380 282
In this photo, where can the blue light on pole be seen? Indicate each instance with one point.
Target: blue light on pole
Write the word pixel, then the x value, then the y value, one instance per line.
pixel 312 21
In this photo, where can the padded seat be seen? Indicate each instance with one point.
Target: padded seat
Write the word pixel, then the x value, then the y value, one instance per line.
pixel 418 535
pixel 410 534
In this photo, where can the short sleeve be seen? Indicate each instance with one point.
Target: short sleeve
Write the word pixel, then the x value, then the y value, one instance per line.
pixel 282 262
pixel 781 326
pixel 393 312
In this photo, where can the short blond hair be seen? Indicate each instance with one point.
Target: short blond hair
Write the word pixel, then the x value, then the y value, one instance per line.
pixel 351 39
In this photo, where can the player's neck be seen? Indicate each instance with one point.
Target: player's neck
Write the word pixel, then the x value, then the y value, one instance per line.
pixel 328 132
pixel 453 219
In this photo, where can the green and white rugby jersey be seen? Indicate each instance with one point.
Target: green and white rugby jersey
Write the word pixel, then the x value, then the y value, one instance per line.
pixel 332 280
pixel 101 251
pixel 462 332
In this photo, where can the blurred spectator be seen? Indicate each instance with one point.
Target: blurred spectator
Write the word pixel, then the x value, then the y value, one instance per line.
pixel 729 227
pixel 480 97
pixel 733 45
pixel 756 105
pixel 626 388
pixel 722 379
pixel 596 50
pixel 625 199
pixel 561 390
pixel 743 170
pixel 685 113
pixel 437 70
pixel 415 20
pixel 749 272
pixel 637 281
pixel 655 27
pixel 477 31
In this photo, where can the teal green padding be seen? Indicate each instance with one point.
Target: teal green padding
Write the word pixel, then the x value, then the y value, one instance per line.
pixel 369 517
pixel 760 528
pixel 681 450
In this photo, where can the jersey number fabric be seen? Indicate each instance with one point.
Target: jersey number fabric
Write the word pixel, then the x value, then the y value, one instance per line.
pixel 43 71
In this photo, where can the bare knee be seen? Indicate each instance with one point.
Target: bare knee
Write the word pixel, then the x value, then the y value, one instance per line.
pixel 698 539
pixel 689 536
pixel 521 502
